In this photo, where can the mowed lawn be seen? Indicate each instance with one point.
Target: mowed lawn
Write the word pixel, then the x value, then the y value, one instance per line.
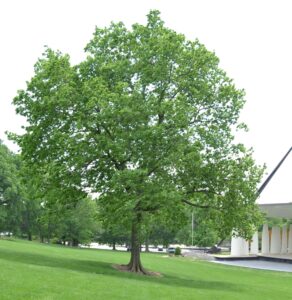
pixel 29 270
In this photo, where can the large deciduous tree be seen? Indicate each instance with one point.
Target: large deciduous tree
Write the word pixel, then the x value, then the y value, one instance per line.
pixel 146 121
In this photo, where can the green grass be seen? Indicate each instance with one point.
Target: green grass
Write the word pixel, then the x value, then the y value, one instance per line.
pixel 30 270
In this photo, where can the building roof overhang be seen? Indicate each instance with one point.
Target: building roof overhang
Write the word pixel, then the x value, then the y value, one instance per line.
pixel 277 210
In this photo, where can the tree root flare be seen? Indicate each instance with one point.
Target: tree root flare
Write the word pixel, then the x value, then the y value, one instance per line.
pixel 127 268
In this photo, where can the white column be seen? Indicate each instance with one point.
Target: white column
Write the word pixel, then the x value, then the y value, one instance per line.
pixel 265 240
pixel 254 246
pixel 275 240
pixel 284 247
pixel 239 246
pixel 245 248
pixel 235 246
pixel 290 239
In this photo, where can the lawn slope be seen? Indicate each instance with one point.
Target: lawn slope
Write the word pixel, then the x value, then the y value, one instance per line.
pixel 30 270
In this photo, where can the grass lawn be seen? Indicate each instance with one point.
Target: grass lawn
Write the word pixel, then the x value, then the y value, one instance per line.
pixel 29 270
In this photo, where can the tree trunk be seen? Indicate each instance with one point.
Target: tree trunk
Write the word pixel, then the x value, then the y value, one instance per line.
pixel 135 264
pixel 75 242
pixel 147 244
pixel 41 236
pixel 29 236
pixel 114 245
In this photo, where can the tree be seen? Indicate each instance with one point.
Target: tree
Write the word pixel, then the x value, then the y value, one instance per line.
pixel 204 233
pixel 113 234
pixel 162 235
pixel 147 121
pixel 31 204
pixel 79 224
pixel 10 190
pixel 9 181
pixel 161 228
pixel 58 209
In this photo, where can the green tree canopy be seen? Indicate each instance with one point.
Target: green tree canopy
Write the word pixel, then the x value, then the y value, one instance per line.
pixel 146 120
pixel 10 190
pixel 9 180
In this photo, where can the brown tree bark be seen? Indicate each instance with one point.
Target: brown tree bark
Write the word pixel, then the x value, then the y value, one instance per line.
pixel 147 244
pixel 135 264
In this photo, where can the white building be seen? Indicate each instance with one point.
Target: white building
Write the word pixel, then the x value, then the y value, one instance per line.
pixel 274 241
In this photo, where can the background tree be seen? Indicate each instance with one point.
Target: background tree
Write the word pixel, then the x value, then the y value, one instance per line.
pixel 31 203
pixel 79 224
pixel 9 181
pixel 113 234
pixel 161 234
pixel 67 215
pixel 205 232
pixel 146 121
pixel 10 190
pixel 162 228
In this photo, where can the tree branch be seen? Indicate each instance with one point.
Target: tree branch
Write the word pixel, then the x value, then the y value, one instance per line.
pixel 150 209
pixel 197 205
pixel 152 170
pixel 119 166
pixel 108 132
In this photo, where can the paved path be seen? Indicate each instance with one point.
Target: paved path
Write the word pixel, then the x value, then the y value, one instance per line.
pixel 259 264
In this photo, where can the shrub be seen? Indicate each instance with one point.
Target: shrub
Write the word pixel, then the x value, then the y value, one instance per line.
pixel 177 251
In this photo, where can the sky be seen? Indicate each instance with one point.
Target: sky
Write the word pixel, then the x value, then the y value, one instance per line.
pixel 252 39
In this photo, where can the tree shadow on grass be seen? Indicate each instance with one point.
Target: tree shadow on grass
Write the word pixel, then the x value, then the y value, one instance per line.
pixel 104 268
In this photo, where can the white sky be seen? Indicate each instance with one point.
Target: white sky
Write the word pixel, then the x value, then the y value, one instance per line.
pixel 252 38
